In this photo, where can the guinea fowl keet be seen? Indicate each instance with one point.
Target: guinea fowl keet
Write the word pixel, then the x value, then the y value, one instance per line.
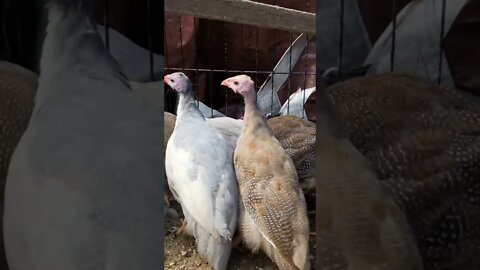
pixel 201 177
pixel 273 213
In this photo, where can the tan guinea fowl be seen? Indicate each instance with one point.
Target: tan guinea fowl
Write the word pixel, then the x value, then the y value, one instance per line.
pixel 273 214
pixel 17 93
pixel 423 143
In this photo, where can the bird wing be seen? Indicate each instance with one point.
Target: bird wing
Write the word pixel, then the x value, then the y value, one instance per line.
pixel 200 172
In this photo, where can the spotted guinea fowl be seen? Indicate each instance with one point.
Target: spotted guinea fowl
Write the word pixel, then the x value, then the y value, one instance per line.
pixel 201 177
pixel 359 225
pixel 423 142
pixel 17 94
pixel 273 213
pixel 82 188
pixel 298 138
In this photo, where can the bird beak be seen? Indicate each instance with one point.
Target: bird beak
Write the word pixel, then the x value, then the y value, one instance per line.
pixel 226 83
pixel 166 78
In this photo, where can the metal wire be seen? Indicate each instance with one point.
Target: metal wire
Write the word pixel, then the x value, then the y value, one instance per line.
pixel 289 80
pixel 394 31
pixel 181 39
pixel 230 68
pixel 150 38
pixel 340 41
pixel 195 63
pixel 225 36
pixel 210 64
pixel 256 59
pixel 19 36
pixel 442 33
pixel 305 80
pixel 306 70
pixel 106 25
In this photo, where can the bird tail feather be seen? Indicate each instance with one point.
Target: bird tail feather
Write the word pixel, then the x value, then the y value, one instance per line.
pixel 215 249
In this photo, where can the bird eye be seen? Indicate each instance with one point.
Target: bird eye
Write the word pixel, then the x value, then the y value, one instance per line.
pixel 236 83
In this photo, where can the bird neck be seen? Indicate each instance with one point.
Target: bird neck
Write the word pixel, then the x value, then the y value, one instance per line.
pixel 73 49
pixel 69 21
pixel 254 121
pixel 187 107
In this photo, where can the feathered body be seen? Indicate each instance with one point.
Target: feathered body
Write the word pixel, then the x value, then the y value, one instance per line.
pixel 272 206
pixel 17 93
pixel 82 189
pixel 202 179
pixel 422 142
pixel 298 138
pixel 229 128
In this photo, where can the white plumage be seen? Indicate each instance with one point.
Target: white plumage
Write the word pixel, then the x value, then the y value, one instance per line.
pixel 83 189
pixel 295 103
pixel 199 166
pixel 229 128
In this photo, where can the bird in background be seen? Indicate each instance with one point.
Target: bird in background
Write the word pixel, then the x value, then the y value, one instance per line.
pixel 273 214
pixel 201 177
pixel 82 189
pixel 422 143
pixel 359 225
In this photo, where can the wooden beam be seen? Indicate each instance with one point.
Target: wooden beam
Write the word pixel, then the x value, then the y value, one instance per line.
pixel 246 12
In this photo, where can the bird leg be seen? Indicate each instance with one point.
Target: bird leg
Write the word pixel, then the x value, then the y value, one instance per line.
pixel 182 229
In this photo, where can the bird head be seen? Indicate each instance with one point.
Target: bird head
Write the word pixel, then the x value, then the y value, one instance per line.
pixel 241 84
pixel 178 81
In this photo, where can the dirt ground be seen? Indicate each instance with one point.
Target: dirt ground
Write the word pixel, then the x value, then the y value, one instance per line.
pixel 181 253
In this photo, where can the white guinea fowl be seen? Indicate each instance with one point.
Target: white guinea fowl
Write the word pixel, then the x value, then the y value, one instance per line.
pixel 83 189
pixel 199 166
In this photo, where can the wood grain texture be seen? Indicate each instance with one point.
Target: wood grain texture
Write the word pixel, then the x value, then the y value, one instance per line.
pixel 246 12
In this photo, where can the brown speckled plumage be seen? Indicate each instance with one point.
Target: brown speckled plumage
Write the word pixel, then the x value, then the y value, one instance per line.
pixel 17 93
pixel 423 143
pixel 298 138
pixel 273 214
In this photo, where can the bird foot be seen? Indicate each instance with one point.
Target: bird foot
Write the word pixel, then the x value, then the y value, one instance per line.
pixel 183 228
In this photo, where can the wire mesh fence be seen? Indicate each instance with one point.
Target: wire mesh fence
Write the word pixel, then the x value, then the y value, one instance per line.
pixel 209 51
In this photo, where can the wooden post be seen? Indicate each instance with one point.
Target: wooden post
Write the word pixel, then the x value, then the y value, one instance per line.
pixel 246 12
